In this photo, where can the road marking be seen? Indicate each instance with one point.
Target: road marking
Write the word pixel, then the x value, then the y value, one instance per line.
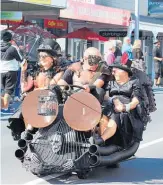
pixel 50 177
pixel 145 145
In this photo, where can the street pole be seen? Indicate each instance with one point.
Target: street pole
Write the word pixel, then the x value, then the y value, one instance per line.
pixel 136 19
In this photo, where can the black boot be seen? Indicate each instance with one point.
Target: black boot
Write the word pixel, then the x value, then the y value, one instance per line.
pixel 99 141
pixel 27 135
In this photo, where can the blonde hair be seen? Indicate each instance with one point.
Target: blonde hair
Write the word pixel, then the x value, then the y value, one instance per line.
pixel 137 44
pixel 109 45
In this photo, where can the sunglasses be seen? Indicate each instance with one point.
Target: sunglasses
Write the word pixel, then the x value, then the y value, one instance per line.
pixel 93 60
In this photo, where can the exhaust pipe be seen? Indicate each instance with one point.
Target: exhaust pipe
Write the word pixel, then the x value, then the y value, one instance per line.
pixel 22 143
pixel 115 157
pixel 19 153
pixel 95 149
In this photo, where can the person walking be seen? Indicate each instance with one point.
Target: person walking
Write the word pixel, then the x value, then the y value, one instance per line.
pixel 109 56
pixel 127 47
pixel 118 52
pixel 138 56
pixel 9 66
pixel 158 59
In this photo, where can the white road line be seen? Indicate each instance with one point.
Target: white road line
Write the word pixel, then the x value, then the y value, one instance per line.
pixel 50 177
pixel 145 145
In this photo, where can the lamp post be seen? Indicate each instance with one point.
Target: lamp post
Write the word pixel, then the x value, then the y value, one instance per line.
pixel 136 19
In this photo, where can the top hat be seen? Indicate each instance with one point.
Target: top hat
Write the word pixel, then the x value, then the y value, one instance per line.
pixel 50 46
pixel 123 63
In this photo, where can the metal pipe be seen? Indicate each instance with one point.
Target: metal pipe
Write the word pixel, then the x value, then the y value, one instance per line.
pixel 136 19
pixel 107 150
pixel 22 144
pixel 115 157
pixel 19 154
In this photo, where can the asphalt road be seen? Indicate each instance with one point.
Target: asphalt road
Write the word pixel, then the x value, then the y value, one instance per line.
pixel 147 168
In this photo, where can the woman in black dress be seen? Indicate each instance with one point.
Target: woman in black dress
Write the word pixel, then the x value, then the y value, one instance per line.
pixel 125 98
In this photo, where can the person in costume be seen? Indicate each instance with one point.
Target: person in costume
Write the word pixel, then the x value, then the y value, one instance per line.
pixel 91 73
pixel 124 98
pixel 46 73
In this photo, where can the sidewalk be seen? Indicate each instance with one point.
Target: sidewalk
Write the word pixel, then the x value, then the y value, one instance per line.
pixel 13 107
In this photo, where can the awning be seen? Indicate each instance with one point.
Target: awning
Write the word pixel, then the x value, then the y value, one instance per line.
pixel 86 34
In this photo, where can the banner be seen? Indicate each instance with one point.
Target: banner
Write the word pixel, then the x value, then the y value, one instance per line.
pixel 14 22
pixel 11 15
pixel 55 24
pixel 95 13
pixel 46 2
pixel 53 3
pixel 155 7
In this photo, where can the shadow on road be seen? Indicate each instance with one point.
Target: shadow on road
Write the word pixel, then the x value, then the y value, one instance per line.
pixel 141 170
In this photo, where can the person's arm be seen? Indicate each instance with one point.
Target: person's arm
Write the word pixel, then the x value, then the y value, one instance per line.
pixel 136 96
pixel 66 78
pixel 120 107
pixel 159 59
pixel 100 81
pixel 16 54
pixel 26 81
pixel 56 78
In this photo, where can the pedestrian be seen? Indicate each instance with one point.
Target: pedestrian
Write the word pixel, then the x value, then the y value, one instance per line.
pixel 127 47
pixel 118 50
pixel 138 56
pixel 109 56
pixel 9 66
pixel 68 58
pixel 158 59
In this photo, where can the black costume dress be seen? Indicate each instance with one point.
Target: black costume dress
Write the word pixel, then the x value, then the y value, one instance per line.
pixel 130 125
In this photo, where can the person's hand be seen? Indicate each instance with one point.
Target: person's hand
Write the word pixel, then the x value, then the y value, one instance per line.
pixel 87 89
pixel 24 65
pixel 118 106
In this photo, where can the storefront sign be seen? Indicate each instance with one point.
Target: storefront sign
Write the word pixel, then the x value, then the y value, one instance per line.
pixel 95 13
pixel 54 3
pixel 6 15
pixel 155 7
pixel 11 22
pixel 115 34
pixel 47 2
pixel 55 24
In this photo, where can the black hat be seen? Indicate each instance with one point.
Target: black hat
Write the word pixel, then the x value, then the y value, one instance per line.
pixel 6 36
pixel 123 63
pixel 50 46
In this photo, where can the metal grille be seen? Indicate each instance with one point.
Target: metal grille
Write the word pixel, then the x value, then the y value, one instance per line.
pixel 56 149
pixel 46 105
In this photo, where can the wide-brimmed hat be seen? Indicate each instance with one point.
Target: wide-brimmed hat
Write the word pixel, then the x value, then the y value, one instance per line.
pixel 123 63
pixel 50 46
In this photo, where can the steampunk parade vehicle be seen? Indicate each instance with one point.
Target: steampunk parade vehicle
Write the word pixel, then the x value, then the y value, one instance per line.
pixel 66 119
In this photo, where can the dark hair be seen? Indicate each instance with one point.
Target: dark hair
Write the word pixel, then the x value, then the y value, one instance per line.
pixel 6 36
